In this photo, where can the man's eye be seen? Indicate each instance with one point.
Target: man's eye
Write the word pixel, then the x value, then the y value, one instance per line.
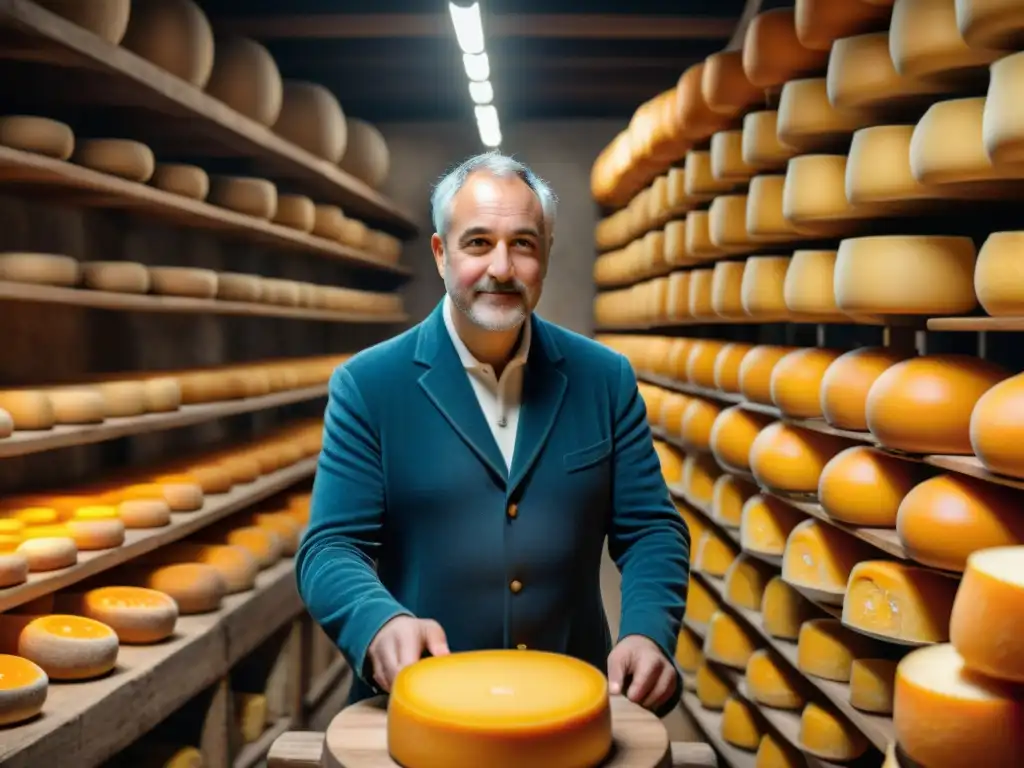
pixel 477 242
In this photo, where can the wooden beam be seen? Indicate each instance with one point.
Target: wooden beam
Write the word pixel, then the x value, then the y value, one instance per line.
pixel 583 26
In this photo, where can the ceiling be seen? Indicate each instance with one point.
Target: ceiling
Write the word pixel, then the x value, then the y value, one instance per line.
pixel 398 60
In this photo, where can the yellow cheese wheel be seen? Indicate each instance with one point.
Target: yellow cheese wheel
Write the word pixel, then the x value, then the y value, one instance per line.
pixel 809 287
pixel 725 86
pixel 727 223
pixel 814 194
pixel 40 268
pixel 770 682
pixel 756 371
pixel 697 422
pixel 809 122
pixel 745 582
pixel 728 497
pixel 66 647
pixel 826 649
pixel 784 610
pixel 727 156
pixel 765 217
pixel 864 487
pixel 772 52
pixel 774 752
pixel 234 286
pixel 701 359
pixel 761 147
pixel 174 35
pixel 861 74
pixel 49 553
pixel 998 273
pixel 1003 123
pixel 246 78
pixel 76 405
pixel 847 381
pixel 696 119
pixel 878 169
pixel 900 602
pixel 700 295
pixel 180 179
pixel 819 23
pixel 796 381
pixel 871 685
pixel 727 366
pixel 671 462
pixel 184 281
pixel 28 408
pixel 925 42
pixel 765 525
pixel 742 725
pixel 764 288
pixel 820 558
pixel 295 212
pixel 988 613
pixel 688 654
pixel 712 690
pixel 827 734
pixel 106 18
pixel 991 23
pixel 23 687
pixel 118 157
pixel 195 587
pixel 940 391
pixel 726 289
pixel 727 642
pixel 137 614
pixel 699 475
pixel 945 716
pixel 253 197
pixel 700 604
pixel 500 708
pixel 39 135
pixel 236 565
pixel 312 118
pixel 713 554
pixel 949 516
pixel 699 181
pixel 116 276
pixel 733 435
pixel 790 459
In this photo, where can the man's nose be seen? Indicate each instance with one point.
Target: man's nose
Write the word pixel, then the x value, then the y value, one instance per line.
pixel 501 263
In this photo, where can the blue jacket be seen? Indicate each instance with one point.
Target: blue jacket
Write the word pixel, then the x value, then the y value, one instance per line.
pixel 410 477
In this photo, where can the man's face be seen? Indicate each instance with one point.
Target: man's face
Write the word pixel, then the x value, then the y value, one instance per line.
pixel 495 257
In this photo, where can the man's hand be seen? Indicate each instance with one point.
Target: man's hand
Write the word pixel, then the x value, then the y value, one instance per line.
pixel 653 676
pixel 401 642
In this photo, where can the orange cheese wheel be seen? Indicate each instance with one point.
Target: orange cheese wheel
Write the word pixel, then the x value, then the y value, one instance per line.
pixel 23 687
pixel 991 23
pixel 796 381
pixel 827 734
pixel 727 366
pixel 733 435
pixel 772 52
pixel 923 405
pixel 864 487
pixel 700 604
pixel 727 642
pixel 847 381
pixel 742 724
pixel 997 427
pixel 700 363
pixel 784 610
pixel 699 475
pixel 774 752
pixel 820 557
pixel 698 422
pixel 670 460
pixel 756 371
pixel 745 582
pixel 138 615
pixel 67 647
pixel 789 459
pixel 946 717
pixel 713 554
pixel 502 709
pixel 766 524
pixel 195 587
pixel 728 497
pixel 947 517
pixel 688 651
pixel 827 649
pixel 819 23
pixel 712 690
pixel 871 684
pixel 771 683
pixel 988 613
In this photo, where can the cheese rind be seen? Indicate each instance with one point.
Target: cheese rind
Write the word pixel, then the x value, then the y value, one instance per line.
pixel 864 487
pixel 826 649
pixel 790 459
pixel 66 647
pixel 847 382
pixel 727 642
pixel 995 426
pixel 771 683
pixel 784 610
pixel 23 687
pixel 733 435
pixel 821 557
pixel 871 685
pixel 745 582
pixel 712 690
pixel 766 523
pixel 741 724
pixel 826 734
pixel 797 379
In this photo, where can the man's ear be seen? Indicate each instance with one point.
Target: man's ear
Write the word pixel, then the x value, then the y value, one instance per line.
pixel 437 246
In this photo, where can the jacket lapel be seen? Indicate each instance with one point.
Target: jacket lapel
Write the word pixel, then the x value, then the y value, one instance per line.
pixel 544 387
pixel 447 385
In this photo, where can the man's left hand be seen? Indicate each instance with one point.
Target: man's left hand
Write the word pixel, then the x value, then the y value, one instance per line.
pixel 652 676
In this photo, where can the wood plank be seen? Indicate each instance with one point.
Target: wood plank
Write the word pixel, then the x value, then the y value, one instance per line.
pixel 93 720
pixel 976 324
pixel 253 754
pixel 297 749
pixel 19 168
pixel 710 722
pixel 25 442
pixel 142 84
pixel 138 542
pixel 132 302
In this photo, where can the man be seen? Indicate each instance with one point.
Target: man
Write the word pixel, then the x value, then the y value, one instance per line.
pixel 481 459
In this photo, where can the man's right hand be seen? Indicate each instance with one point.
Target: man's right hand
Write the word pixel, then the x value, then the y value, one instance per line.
pixel 401 642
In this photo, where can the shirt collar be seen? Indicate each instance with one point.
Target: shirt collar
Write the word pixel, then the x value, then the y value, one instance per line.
pixel 469 362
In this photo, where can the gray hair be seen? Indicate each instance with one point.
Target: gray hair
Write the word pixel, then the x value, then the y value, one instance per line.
pixel 498 165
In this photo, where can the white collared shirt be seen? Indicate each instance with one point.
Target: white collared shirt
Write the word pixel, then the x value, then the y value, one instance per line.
pixel 499 399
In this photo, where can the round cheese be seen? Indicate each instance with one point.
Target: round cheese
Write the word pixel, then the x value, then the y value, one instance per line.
pixel 1003 123
pixel 76 405
pixel 23 687
pixel 195 587
pixel 695 118
pixel 727 500
pixel 700 604
pixel 179 179
pixel 826 649
pixel 701 360
pixel 174 35
pixel 727 366
pixel 712 690
pixel 700 182
pixel 138 615
pixel 771 683
pixel 116 276
pixel 741 724
pixel 945 716
pixel 809 122
pixel 727 223
pixel 106 18
pixel 733 433
pixel 688 651
pixel 727 642
pixel 253 197
pixel 366 153
pixel 789 459
pixel 988 613
pixel 826 734
pixel 49 553
pixel 796 382
pixel 764 287
pixel 118 157
pixel 236 565
pixel 312 118
pixel 773 752
pixel 756 371
pixel 809 287
pixel 878 169
pixel 864 487
pixel 765 216
pixel 765 525
pixel 246 78
pixel 814 194
pixel 727 157
pixel 925 42
pixel 997 275
pixel 68 647
pixel 713 554
pixel 871 685
pixel 784 610
pixel 697 423
pixel 947 517
pixel 725 86
pixel 501 709
pixel 819 23
pixel 295 212
pixel 726 289
pixel 745 581
pixel 991 23
pixel 699 475
pixel 861 74
pixel 234 286
pixel 899 602
pixel 940 391
pixel 847 381
pixel 40 135
pixel 772 52
pixel 819 559
pixel 994 428
pixel 39 268
pixel 761 147
pixel 184 281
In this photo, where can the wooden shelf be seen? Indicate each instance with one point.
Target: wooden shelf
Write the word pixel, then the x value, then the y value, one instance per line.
pixel 976 324
pixel 24 442
pixel 711 723
pixel 138 542
pixel 83 186
pixel 112 76
pixel 133 302
pixel 253 754
pixel 93 720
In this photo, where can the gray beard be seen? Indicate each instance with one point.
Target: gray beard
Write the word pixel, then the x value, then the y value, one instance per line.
pixel 464 302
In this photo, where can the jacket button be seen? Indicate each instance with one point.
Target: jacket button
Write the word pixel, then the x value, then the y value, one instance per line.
pixel 516 586
pixel 513 511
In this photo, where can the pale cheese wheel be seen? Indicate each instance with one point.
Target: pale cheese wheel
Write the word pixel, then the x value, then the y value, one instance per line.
pixel 772 52
pixel 39 268
pixel 819 559
pixel 871 685
pixel 14 568
pixel 899 602
pixel 236 565
pixel 988 613
pixel 761 147
pixel 138 615
pixel 195 587
pixel 784 610
pixel 28 408
pixel 886 275
pixel 106 18
pixel 246 78
pixel 726 289
pixel 827 734
pixel 262 543
pixel 991 23
pixel 116 276
pixel 1003 118
pixel 253 197
pixel 126 159
pixel 861 74
pixel 878 168
pixel 312 118
pixel 819 23
pixel 809 122
pixel 940 391
pixel 181 179
pixel 563 714
pixel 945 716
pixel 163 394
pixel 699 181
pixel 94 535
pixel 235 286
pixel 184 281
pixel 733 434
pixel 727 223
pixel 771 683
pixel 789 459
pixel 688 653
pixel 174 35
pixel 864 487
pixel 765 525
pixel 66 647
pixel 847 381
pixel 728 497
pixel 947 517
pixel 809 287
pixel 742 724
pixel 39 135
pixel 763 288
pixel 998 274
pixel 712 690
pixel 814 195
pixel 329 222
pixel 144 513
pixel 796 382
pixel 366 153
pixel 745 582
pixel 23 688
pixel 296 212
pixel 826 649
pixel 76 405
pixel 756 371
pixel 727 161
pixel 701 284
pixel 727 642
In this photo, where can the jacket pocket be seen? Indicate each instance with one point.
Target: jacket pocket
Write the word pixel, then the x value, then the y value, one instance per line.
pixel 589 456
